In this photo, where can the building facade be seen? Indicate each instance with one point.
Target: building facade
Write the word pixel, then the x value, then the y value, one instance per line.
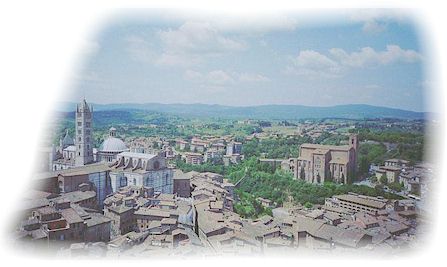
pixel 139 169
pixel 319 163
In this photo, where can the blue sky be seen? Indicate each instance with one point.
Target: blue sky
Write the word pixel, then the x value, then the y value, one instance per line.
pixel 320 59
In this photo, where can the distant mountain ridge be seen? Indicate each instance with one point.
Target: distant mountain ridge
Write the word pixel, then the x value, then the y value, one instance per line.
pixel 277 112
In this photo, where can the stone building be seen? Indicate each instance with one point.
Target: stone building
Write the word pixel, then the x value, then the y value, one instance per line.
pixel 319 163
pixel 357 203
pixel 193 158
pixel 110 148
pixel 391 173
pixel 182 184
pixel 63 220
pixel 141 169
pixel 234 148
pixel 69 180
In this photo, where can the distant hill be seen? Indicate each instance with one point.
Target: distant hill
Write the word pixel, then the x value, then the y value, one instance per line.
pixel 280 112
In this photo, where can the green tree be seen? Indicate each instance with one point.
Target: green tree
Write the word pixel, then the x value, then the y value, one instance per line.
pixel 308 205
pixel 383 180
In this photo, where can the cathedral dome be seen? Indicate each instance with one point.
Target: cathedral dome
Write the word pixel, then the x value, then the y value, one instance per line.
pixel 67 141
pixel 113 144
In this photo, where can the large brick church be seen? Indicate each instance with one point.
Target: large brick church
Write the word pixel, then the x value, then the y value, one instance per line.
pixel 319 163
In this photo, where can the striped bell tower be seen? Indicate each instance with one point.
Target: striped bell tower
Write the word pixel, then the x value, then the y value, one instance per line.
pixel 84 126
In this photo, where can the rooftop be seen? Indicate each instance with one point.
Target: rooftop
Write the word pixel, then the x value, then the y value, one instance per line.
pixel 136 155
pixel 362 200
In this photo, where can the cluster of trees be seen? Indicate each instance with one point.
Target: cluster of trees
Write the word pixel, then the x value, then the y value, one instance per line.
pixel 391 136
pixel 278 148
pixel 249 207
pixel 409 146
pixel 370 154
pixel 262 180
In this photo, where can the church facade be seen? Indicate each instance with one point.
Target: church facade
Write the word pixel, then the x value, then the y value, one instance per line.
pixel 319 163
pixel 140 169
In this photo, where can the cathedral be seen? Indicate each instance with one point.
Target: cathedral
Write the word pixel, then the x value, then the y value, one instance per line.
pixel 122 167
pixel 79 151
pixel 319 163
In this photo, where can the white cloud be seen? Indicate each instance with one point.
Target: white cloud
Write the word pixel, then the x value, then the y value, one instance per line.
pixel 252 77
pixel 244 23
pixel 314 64
pixel 193 42
pixel 367 56
pixel 220 77
pixel 376 20
pixel 193 37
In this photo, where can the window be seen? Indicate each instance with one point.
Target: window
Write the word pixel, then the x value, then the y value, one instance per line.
pixel 156 165
pixel 123 181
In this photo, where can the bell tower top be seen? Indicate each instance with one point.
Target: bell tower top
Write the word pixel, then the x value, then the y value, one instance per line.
pixel 354 141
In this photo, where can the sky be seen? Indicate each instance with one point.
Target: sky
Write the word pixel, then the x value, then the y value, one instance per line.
pixel 316 59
